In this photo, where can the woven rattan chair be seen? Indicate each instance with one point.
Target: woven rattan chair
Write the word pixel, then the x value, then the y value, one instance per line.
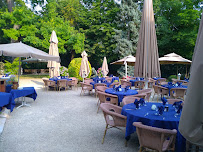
pixel 75 82
pixel 129 99
pixel 148 93
pixel 86 87
pixel 97 85
pixel 51 84
pixel 107 98
pixel 113 117
pixel 125 83
pixel 155 138
pixel 163 91
pixel 115 83
pixel 62 84
pixel 140 84
pixel 156 91
pixel 45 82
pixel 71 83
pixel 178 92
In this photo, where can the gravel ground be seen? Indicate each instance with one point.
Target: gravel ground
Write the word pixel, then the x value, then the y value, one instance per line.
pixel 61 122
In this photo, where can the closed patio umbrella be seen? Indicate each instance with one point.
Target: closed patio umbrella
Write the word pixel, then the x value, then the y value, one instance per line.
pixel 53 50
pixel 84 67
pixel 128 60
pixel 105 69
pixel 147 64
pixel 191 121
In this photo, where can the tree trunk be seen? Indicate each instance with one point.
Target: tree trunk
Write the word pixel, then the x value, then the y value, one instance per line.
pixel 72 54
pixel 10 4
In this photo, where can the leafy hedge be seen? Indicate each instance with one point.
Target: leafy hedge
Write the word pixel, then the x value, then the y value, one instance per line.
pixel 13 67
pixel 74 68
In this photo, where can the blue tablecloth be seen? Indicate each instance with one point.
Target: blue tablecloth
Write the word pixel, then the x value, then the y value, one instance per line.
pixel 96 79
pixel 25 92
pixel 93 83
pixel 6 100
pixel 8 88
pixel 121 94
pixel 166 121
pixel 173 86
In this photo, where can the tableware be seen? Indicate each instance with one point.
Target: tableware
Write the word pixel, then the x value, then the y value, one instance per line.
pixel 120 89
pixel 153 107
pixel 166 108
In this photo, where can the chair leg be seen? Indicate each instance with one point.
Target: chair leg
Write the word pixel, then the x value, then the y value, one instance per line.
pixel 105 133
pixel 97 102
pixel 140 149
pixel 98 108
pixel 126 143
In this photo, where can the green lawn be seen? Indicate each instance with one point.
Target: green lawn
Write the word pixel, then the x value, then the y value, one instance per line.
pixel 34 76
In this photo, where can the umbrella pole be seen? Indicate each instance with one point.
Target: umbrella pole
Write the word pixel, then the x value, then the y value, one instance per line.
pixel 126 68
pixel 186 71
pixel 177 71
pixel 19 69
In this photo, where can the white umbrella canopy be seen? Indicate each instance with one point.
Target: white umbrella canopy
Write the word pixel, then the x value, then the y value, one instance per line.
pixel 173 58
pixel 191 121
pixel 105 69
pixel 147 64
pixel 22 50
pixel 53 50
pixel 84 67
pixel 128 60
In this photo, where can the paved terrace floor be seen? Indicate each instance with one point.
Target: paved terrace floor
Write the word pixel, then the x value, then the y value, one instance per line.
pixel 61 122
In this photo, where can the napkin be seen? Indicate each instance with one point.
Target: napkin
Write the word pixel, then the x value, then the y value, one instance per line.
pixel 179 109
pixel 179 83
pixel 160 110
pixel 108 99
pixel 141 78
pixel 164 100
pixel 127 88
pixel 136 102
pixel 114 87
pixel 177 103
pixel 142 101
pixel 170 83
pixel 117 88
pixel 186 79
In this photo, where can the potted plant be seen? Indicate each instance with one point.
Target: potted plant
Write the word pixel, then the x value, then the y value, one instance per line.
pixel 14 81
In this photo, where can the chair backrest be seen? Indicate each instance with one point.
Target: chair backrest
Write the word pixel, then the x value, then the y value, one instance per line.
pixel 114 83
pixel 163 90
pixel 128 99
pixel 140 95
pixel 174 80
pixel 178 92
pixel 101 96
pixel 148 93
pixel 86 86
pixel 151 82
pixel 109 79
pixel 71 82
pixel 162 79
pixel 88 81
pixel 101 88
pixel 156 89
pixel 140 84
pixel 76 80
pixel 45 81
pixel 51 83
pixel 126 83
pixel 155 138
pixel 99 84
pixel 172 101
pixel 62 83
pixel 113 111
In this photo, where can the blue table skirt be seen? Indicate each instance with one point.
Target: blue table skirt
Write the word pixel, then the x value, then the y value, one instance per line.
pixel 6 100
pixel 121 94
pixel 107 84
pixel 166 121
pixel 25 92
pixel 170 87
pixel 8 88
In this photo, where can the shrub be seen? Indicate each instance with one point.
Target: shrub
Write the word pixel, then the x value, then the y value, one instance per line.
pixel 74 68
pixel 172 77
pixel 13 67
pixel 63 71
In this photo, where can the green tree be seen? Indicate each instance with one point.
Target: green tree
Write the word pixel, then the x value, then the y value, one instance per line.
pixel 126 37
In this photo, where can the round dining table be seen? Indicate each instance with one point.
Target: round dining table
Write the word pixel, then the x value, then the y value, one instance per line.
pixel 121 94
pixel 149 117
